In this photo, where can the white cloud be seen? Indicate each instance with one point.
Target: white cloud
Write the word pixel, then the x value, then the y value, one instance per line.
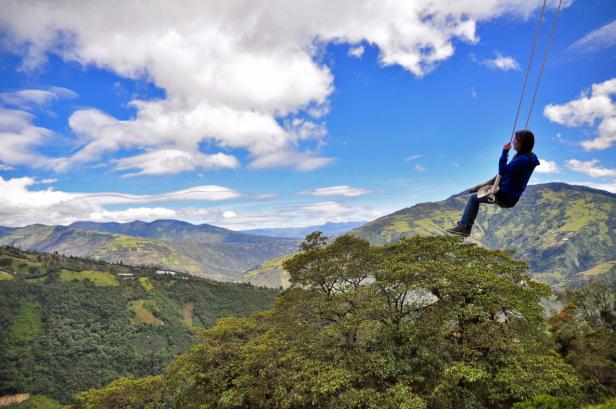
pixel 30 98
pixel 232 81
pixel 547 166
pixel 172 161
pixel 591 168
pixel 589 108
pixel 48 181
pixel 18 137
pixel 419 168
pixel 301 161
pixel 5 167
pixel 502 62
pixel 342 190
pixel 609 187
pixel 413 157
pixel 146 214
pixel 22 205
pixel 356 51
pixel 599 39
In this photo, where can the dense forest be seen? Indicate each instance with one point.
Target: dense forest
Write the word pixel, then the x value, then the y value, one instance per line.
pixel 69 324
pixel 423 323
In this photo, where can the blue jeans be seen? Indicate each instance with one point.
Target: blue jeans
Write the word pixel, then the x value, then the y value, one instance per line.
pixel 471 210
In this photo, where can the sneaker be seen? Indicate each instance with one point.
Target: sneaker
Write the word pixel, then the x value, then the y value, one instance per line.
pixel 460 230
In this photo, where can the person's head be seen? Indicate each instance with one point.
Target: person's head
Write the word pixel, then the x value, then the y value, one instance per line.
pixel 524 141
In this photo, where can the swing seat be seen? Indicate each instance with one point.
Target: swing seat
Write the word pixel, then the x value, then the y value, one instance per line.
pixel 492 198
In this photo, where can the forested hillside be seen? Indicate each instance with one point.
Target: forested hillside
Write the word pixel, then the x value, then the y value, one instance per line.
pixel 203 250
pixel 68 324
pixel 427 322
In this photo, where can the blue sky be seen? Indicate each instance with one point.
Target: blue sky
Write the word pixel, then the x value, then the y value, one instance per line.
pixel 269 114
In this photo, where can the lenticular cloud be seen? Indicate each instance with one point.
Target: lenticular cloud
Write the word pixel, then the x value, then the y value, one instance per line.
pixel 237 74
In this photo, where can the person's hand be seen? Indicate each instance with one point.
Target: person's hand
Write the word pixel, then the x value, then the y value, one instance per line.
pixel 507 146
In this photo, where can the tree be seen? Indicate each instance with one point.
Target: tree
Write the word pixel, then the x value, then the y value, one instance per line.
pixel 585 331
pixel 423 323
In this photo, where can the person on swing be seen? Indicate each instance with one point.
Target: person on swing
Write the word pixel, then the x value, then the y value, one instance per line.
pixel 514 177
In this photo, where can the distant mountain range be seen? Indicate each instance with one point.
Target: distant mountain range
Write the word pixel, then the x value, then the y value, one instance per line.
pixel 328 229
pixel 203 250
pixel 565 233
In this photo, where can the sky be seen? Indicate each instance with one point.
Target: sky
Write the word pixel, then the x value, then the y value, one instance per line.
pixel 252 113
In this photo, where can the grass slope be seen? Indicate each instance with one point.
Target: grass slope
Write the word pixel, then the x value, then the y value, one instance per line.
pixel 269 274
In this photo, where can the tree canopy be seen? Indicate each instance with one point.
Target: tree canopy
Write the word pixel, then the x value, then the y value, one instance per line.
pixel 427 322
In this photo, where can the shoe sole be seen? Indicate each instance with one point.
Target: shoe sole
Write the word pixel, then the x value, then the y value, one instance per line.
pixel 457 233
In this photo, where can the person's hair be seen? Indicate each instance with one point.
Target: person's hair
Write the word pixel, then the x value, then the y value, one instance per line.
pixel 526 140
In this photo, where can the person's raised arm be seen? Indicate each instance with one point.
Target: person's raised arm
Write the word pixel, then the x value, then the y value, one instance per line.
pixel 502 163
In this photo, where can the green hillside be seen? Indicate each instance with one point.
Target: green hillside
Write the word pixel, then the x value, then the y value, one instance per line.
pixel 558 229
pixel 69 324
pixel 269 274
pixel 565 233
pixel 424 323
pixel 222 259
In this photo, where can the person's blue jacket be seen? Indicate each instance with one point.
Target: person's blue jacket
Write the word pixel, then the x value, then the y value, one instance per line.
pixel 515 174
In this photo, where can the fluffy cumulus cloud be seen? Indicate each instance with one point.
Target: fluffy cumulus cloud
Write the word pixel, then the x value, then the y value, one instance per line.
pixel 547 166
pixel 239 74
pixel 592 107
pixel 594 169
pixel 19 137
pixel 502 62
pixel 171 161
pixel 356 52
pixel 591 168
pixel 22 204
pixel 342 190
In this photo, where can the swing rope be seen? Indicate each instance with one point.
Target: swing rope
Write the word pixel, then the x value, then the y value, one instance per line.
pixel 545 57
pixel 530 63
pixel 492 190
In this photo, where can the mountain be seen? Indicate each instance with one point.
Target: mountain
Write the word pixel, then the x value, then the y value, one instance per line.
pixel 269 274
pixel 69 324
pixel 211 252
pixel 565 233
pixel 5 230
pixel 176 230
pixel 328 229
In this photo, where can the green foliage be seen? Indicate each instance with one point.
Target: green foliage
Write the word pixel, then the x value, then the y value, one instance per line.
pixel 60 337
pixel 126 393
pixel 5 276
pixel 422 323
pixel 544 402
pixel 143 312
pixel 98 278
pixel 146 283
pixel 585 331
pixel 26 324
